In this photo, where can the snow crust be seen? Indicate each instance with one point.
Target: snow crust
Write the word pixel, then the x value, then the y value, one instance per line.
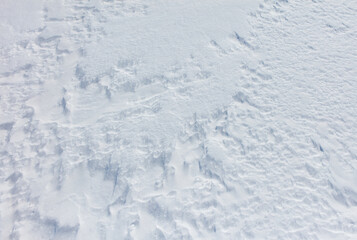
pixel 178 119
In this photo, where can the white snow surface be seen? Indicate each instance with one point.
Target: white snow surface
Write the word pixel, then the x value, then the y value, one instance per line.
pixel 181 119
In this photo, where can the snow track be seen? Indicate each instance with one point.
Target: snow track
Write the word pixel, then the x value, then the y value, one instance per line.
pixel 178 119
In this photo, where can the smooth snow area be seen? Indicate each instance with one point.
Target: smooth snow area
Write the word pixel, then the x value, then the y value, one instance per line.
pixel 181 119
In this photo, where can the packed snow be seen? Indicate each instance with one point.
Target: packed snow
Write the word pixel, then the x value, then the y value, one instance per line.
pixel 181 119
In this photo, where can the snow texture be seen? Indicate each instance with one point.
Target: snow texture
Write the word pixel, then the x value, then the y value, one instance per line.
pixel 182 119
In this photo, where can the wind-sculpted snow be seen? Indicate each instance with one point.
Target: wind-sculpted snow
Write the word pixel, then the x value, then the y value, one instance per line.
pixel 178 119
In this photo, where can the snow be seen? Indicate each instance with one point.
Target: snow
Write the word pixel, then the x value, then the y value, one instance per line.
pixel 178 119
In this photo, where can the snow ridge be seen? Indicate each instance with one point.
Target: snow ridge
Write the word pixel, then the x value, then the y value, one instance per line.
pixel 178 120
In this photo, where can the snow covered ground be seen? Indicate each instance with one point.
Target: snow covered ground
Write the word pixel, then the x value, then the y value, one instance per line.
pixel 181 119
